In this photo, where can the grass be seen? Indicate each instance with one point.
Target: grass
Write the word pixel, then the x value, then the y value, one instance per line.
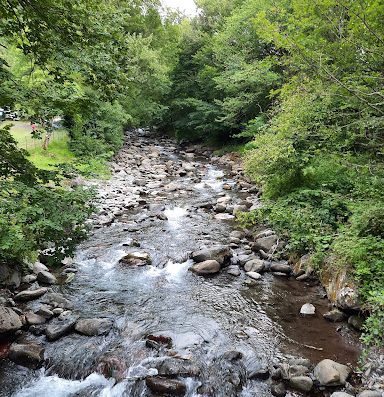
pixel 57 153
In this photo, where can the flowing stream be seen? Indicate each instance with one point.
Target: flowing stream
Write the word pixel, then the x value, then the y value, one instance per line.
pixel 163 213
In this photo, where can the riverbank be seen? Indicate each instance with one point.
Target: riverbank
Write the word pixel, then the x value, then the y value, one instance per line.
pixel 128 306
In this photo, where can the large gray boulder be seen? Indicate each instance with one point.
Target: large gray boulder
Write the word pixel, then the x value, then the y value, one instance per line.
pixel 46 277
pixel 331 373
pixel 30 294
pixel 219 253
pixel 254 265
pixel 29 355
pixel 93 326
pixel 206 268
pixel 265 243
pixel 9 320
pixel 302 383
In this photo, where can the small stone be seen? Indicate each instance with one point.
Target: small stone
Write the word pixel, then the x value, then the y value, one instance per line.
pixel 58 328
pixel 160 385
pixel 254 275
pixel 57 311
pixel 302 383
pixel 307 309
pixel 233 270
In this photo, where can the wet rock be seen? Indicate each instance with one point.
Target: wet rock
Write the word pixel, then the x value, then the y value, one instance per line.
pixel 356 322
pixel 257 370
pixel 136 259
pixel 278 390
pixel 57 301
pixel 158 341
pixel 46 277
pixel 233 270
pixel 112 366
pixel 302 383
pixel 175 367
pixel 39 267
pixel 335 316
pixel 9 320
pixel 340 394
pixel 281 267
pixel 330 373
pixel 347 298
pixel 34 319
pixel 29 355
pixel 30 278
pixel 57 311
pixel 59 328
pixel 254 275
pixel 307 309
pixel 94 326
pixel 206 267
pixel 254 265
pixel 219 253
pixel 370 393
pixel 265 243
pixel 30 294
pixel 165 386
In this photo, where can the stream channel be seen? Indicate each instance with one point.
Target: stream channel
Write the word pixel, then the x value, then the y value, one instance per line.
pixel 220 327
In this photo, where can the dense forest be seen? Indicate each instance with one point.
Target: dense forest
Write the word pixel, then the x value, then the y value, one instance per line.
pixel 295 86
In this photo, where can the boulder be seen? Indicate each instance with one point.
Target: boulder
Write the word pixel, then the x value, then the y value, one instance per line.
pixel 34 319
pixel 9 320
pixel 94 326
pixel 46 277
pixel 57 301
pixel 330 373
pixel 39 267
pixel 30 278
pixel 302 383
pixel 219 253
pixel 254 265
pixel 347 298
pixel 136 259
pixel 160 385
pixel 334 316
pixel 265 243
pixel 254 275
pixel 307 309
pixel 58 328
pixel 206 267
pixel 281 267
pixel 30 294
pixel 29 355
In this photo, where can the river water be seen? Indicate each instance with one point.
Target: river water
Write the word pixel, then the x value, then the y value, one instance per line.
pixel 206 318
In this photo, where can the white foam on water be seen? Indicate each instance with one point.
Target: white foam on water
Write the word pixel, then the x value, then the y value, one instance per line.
pixel 213 179
pixel 173 271
pixel 53 386
pixel 175 216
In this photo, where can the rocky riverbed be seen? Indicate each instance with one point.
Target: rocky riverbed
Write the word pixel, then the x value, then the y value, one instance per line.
pixel 169 297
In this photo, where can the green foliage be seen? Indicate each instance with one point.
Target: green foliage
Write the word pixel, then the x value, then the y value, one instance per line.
pixel 35 211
